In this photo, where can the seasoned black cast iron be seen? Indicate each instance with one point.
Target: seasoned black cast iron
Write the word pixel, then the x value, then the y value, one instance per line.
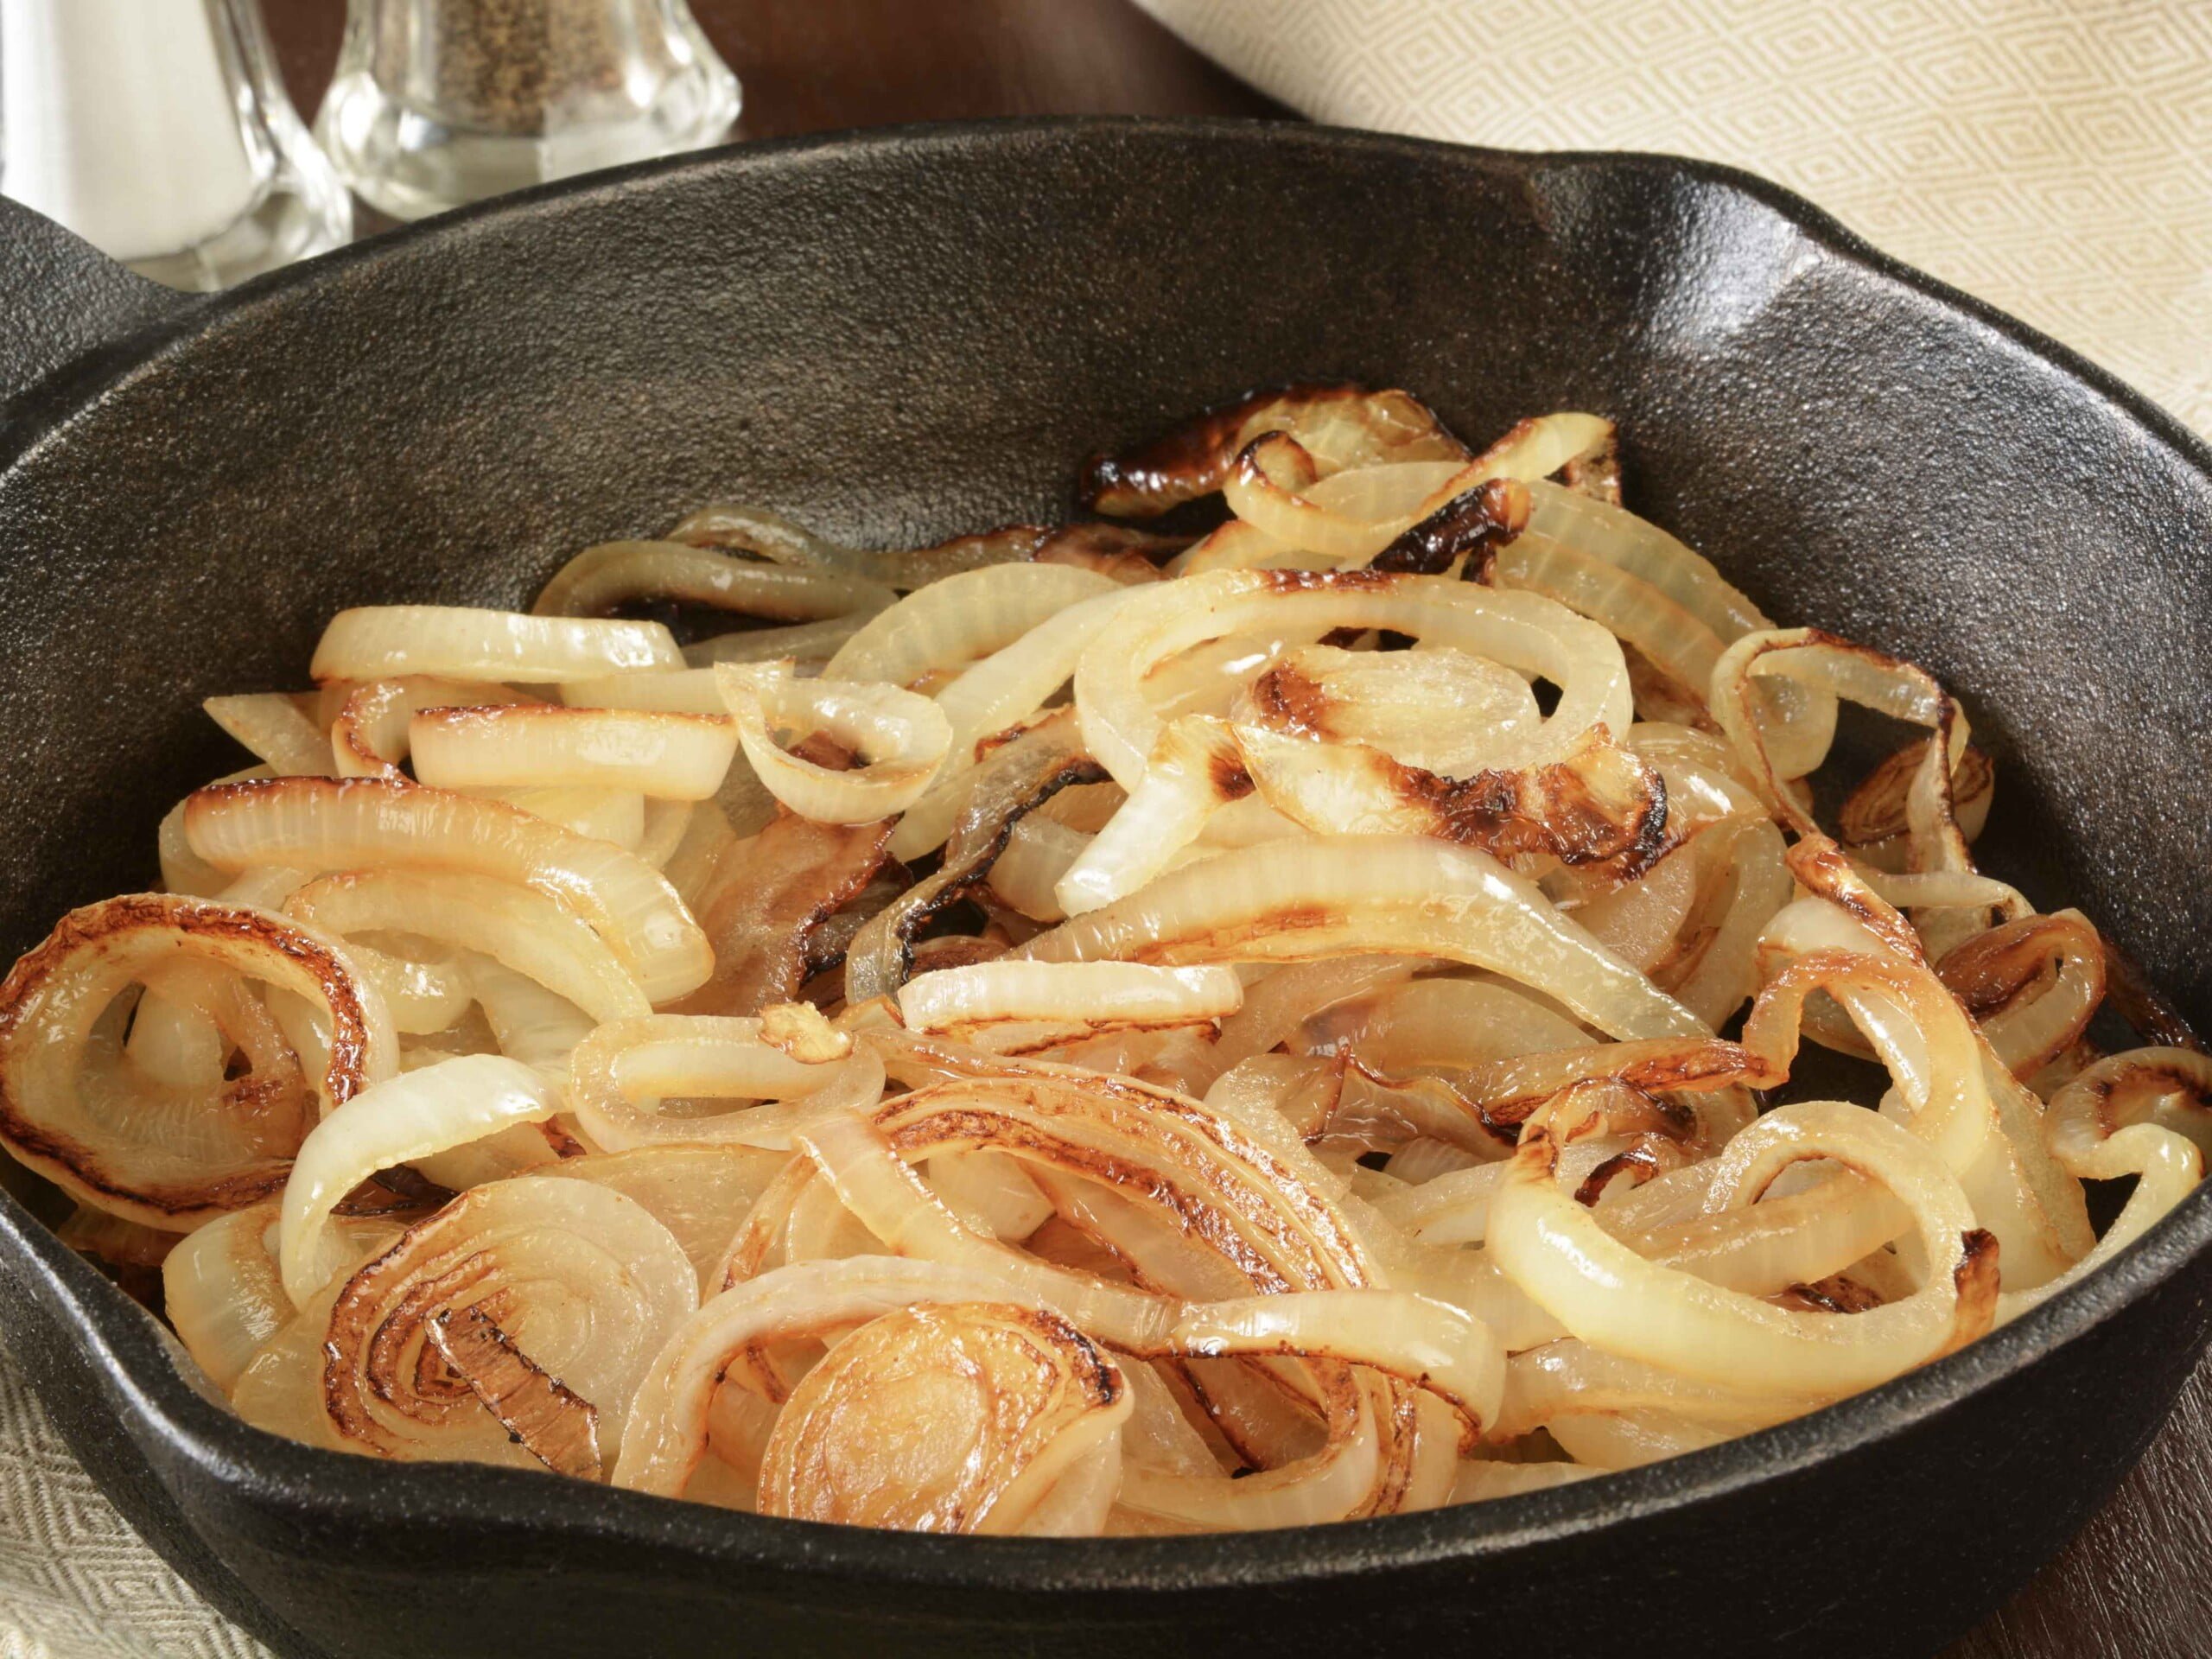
pixel 896 335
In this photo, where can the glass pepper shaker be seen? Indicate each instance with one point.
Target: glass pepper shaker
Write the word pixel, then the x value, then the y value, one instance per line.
pixel 441 102
pixel 162 134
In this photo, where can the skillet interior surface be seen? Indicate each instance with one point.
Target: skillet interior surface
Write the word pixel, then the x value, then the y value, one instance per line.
pixel 897 335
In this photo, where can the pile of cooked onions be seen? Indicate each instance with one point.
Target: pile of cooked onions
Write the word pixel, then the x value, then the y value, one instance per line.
pixel 1080 1030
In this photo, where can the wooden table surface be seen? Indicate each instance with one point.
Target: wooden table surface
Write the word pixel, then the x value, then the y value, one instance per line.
pixel 2138 1583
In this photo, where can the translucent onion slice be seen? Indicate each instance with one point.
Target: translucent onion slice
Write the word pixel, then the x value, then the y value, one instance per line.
pixel 2141 1114
pixel 278 726
pixel 1839 668
pixel 624 1075
pixel 172 1162
pixel 811 642
pixel 701 1194
pixel 664 756
pixel 1572 1379
pixel 368 738
pixel 620 573
pixel 683 691
pixel 222 1292
pixel 581 1285
pixel 764 900
pixel 1014 779
pixel 1088 996
pixel 1038 854
pixel 1278 1003
pixel 614 815
pixel 379 642
pixel 1425 1344
pixel 396 1122
pixel 1296 900
pixel 1275 487
pixel 956 1417
pixel 1522 631
pixel 1002 690
pixel 666 1437
pixel 359 823
pixel 1195 769
pixel 901 739
pixel 519 928
pixel 1612 1298
pixel 947 625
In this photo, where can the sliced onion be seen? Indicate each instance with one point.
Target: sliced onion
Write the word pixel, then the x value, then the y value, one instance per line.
pixel 396 1122
pixel 949 624
pixel 1340 426
pixel 379 642
pixel 280 729
pixel 514 925
pixel 681 691
pixel 958 1417
pixel 368 738
pixel 992 697
pixel 1093 996
pixel 622 1076
pixel 1609 1297
pixel 1294 900
pixel 902 738
pixel 222 1292
pixel 764 901
pixel 581 1285
pixel 665 1436
pixel 1522 631
pixel 614 815
pixel 665 756
pixel 1992 973
pixel 309 823
pixel 619 573
pixel 171 1159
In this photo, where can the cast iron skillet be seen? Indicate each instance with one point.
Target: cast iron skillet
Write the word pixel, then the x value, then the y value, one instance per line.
pixel 900 334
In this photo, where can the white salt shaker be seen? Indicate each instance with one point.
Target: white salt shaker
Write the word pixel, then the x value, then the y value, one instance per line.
pixel 159 132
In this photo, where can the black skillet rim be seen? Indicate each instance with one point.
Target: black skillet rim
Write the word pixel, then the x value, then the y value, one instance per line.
pixel 281 1478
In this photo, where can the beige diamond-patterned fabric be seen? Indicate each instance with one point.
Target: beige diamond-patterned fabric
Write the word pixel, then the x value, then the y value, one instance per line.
pixel 75 1581
pixel 2052 156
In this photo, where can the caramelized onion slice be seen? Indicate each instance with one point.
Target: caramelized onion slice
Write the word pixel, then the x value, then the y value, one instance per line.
pixel 622 573
pixel 170 1159
pixel 901 739
pixel 665 1436
pixel 954 1417
pixel 1522 631
pixel 1612 1298
pixel 222 1292
pixel 584 1287
pixel 317 825
pixel 1296 900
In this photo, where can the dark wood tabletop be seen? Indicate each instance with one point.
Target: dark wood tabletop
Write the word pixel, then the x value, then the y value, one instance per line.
pixel 2138 1583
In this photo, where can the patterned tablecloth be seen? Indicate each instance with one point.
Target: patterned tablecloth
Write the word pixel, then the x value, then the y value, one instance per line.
pixel 2053 156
